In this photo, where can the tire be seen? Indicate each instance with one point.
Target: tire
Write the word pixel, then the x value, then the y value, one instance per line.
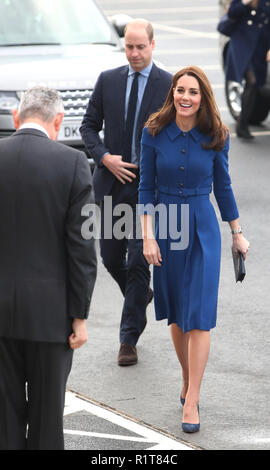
pixel 233 92
pixel 260 110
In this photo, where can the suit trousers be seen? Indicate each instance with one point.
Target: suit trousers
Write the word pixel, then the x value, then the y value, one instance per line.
pixel 32 394
pixel 123 257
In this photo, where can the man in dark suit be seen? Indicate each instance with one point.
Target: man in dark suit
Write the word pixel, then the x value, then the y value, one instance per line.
pixel 122 100
pixel 47 272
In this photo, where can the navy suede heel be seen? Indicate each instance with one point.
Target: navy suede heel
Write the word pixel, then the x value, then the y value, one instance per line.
pixel 191 427
pixel 182 400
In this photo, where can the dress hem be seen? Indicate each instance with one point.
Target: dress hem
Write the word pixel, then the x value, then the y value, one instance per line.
pixel 187 329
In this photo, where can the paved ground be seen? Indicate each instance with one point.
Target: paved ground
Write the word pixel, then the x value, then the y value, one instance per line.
pixel 91 425
pixel 235 392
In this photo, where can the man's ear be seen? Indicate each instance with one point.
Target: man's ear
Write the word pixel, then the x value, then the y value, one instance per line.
pixel 16 119
pixel 54 126
pixel 58 121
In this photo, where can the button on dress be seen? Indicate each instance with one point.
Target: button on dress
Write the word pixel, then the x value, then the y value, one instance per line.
pixel 176 173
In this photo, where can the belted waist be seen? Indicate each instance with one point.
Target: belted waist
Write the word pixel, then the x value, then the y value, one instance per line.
pixel 185 192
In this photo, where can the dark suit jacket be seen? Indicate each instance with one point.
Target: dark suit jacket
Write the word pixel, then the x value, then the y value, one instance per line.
pixel 47 270
pixel 107 105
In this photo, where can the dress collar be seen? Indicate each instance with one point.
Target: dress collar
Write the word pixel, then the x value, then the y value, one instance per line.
pixel 174 131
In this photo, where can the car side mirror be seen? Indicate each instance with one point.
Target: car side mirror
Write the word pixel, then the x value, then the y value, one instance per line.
pixel 119 22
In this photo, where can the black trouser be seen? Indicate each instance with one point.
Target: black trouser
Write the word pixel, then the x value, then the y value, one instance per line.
pixel 125 262
pixel 248 97
pixel 32 394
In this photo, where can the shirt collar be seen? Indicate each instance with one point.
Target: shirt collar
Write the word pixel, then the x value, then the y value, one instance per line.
pixel 34 125
pixel 145 72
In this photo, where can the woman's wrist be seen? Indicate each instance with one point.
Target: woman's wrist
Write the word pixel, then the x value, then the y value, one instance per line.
pixel 236 230
pixel 237 236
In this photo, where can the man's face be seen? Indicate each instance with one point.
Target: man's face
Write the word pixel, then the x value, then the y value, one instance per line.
pixel 138 47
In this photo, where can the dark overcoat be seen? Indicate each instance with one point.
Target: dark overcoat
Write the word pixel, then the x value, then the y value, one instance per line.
pixel 249 42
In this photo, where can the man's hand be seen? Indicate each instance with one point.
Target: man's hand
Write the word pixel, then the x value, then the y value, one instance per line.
pixel 79 335
pixel 119 168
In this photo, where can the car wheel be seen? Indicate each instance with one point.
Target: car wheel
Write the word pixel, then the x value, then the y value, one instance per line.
pixel 233 92
pixel 260 110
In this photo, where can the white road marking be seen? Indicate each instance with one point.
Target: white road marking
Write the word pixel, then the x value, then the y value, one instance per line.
pixel 175 68
pixel 189 22
pixel 136 2
pixel 217 86
pixel 188 32
pixel 180 51
pixel 265 440
pixel 101 435
pixel 255 133
pixel 162 11
pixel 74 404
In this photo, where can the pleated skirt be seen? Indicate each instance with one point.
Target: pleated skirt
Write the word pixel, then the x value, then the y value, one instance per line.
pixel 186 285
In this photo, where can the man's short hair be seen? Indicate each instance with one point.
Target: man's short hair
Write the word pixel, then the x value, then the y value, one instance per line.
pixel 40 102
pixel 142 22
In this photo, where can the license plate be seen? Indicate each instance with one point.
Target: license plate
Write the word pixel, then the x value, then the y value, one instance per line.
pixel 70 130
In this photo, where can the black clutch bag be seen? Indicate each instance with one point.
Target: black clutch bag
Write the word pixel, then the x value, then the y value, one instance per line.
pixel 239 266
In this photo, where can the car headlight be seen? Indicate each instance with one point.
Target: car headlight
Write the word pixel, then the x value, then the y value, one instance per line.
pixel 8 101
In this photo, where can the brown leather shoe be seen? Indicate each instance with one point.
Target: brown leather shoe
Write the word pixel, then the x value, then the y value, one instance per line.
pixel 127 355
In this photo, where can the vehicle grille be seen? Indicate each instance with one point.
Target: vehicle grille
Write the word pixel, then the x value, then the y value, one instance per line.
pixel 75 102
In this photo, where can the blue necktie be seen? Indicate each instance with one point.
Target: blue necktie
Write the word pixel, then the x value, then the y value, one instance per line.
pixel 132 104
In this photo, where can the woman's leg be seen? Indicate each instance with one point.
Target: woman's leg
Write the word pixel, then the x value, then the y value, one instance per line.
pixel 198 352
pixel 180 341
pixel 247 104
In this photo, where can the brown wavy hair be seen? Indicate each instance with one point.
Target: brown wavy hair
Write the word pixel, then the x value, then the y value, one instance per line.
pixel 208 116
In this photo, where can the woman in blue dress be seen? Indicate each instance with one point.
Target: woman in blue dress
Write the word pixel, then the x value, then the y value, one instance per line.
pixel 184 152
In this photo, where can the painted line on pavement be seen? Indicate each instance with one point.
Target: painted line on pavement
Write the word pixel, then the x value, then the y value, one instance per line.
pixel 174 68
pixel 148 434
pixel 189 22
pixel 188 32
pixel 161 11
pixel 189 51
pixel 255 133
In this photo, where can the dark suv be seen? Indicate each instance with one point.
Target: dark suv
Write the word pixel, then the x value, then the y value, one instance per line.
pixel 233 90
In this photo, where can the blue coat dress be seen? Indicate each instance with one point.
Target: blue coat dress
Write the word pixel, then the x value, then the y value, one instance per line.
pixel 175 170
pixel 249 42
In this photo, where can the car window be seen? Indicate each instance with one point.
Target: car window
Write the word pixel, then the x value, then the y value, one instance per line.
pixel 53 22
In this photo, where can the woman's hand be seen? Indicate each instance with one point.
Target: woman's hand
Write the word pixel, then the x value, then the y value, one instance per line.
pixel 252 3
pixel 240 244
pixel 151 252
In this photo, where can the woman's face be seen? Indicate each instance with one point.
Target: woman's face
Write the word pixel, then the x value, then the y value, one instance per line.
pixel 187 99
